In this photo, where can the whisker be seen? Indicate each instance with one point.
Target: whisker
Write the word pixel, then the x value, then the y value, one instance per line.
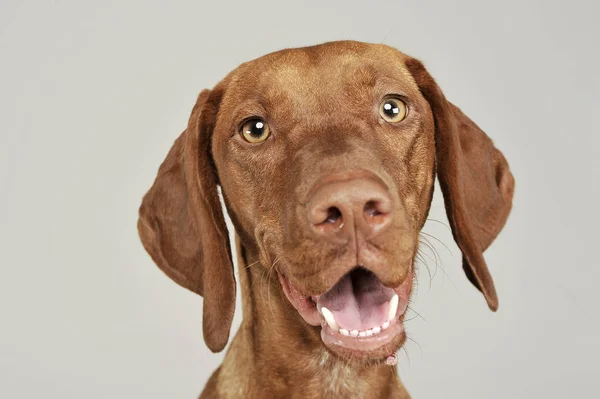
pixel 421 259
pixel 417 313
pixel 438 240
pixel 416 343
pixel 407 356
pixel 431 247
pixel 440 222
pixel 432 250
pixel 251 264
pixel 254 279
pixel 410 319
pixel 440 266
pixel 436 254
pixel 269 290
pixel 246 267
pixel 387 34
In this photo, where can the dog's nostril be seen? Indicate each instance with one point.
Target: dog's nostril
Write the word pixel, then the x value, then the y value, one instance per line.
pixel 333 215
pixel 370 209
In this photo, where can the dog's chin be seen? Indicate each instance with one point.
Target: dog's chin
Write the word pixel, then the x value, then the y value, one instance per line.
pixel 359 317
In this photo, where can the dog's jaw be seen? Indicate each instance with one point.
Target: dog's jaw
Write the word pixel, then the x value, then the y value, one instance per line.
pixel 358 316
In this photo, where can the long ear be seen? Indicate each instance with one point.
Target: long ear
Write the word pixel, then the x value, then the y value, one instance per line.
pixel 475 180
pixel 182 227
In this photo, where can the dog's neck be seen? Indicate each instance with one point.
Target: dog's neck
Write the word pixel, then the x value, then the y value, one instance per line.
pixel 276 354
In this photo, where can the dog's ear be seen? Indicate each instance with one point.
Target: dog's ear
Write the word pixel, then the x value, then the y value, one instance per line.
pixel 182 227
pixel 475 179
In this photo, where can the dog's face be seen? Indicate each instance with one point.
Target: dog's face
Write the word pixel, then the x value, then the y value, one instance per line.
pixel 327 158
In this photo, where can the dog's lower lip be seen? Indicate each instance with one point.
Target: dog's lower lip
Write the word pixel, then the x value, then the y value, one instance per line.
pixel 377 346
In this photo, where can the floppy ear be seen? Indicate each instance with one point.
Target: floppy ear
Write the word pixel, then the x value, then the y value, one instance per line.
pixel 182 227
pixel 475 179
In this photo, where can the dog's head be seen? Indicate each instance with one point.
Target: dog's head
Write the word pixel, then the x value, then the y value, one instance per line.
pixel 327 158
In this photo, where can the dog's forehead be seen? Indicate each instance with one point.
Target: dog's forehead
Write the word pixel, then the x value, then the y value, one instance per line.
pixel 319 72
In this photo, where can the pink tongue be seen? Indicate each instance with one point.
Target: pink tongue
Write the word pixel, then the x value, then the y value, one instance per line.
pixel 358 301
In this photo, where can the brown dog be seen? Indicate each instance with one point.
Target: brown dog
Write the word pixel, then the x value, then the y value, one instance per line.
pixel 326 157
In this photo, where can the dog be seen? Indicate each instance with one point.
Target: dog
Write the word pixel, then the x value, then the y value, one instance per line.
pixel 326 157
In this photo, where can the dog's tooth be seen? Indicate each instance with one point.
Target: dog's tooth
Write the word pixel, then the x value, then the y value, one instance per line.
pixel 345 332
pixel 393 307
pixel 376 330
pixel 385 325
pixel 362 334
pixel 329 318
pixel 369 332
pixel 354 333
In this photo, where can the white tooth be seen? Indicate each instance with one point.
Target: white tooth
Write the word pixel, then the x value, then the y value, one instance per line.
pixel 376 330
pixel 345 332
pixel 354 333
pixel 393 307
pixel 385 325
pixel 369 333
pixel 362 334
pixel 329 318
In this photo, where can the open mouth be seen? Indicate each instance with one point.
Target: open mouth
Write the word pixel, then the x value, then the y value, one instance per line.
pixel 359 316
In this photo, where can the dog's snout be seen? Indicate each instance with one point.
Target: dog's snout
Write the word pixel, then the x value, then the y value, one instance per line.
pixel 341 209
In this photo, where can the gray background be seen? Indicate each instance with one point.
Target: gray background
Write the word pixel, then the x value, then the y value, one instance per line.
pixel 92 94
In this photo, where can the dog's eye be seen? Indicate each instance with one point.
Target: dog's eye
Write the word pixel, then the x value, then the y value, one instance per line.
pixel 392 109
pixel 255 131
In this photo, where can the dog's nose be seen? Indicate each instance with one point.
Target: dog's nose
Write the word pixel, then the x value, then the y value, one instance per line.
pixel 340 209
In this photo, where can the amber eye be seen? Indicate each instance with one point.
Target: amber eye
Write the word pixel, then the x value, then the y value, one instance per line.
pixel 392 109
pixel 255 131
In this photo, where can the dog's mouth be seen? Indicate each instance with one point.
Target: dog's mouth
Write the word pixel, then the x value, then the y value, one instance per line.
pixel 359 316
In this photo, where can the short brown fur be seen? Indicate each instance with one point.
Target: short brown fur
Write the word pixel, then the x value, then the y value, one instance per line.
pixel 321 103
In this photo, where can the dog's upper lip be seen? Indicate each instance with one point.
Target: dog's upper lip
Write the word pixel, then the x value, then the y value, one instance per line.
pixel 322 281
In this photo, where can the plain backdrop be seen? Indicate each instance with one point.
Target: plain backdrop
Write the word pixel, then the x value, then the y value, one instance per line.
pixel 92 95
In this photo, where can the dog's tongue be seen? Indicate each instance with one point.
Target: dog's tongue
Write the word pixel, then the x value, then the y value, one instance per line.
pixel 359 301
